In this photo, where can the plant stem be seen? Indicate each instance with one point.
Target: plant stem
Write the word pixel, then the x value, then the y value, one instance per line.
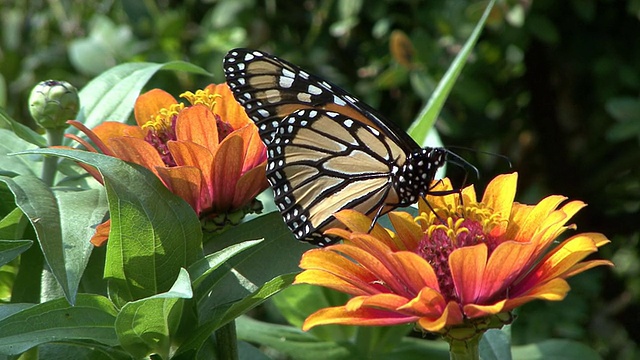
pixel 467 349
pixel 227 341
pixel 50 163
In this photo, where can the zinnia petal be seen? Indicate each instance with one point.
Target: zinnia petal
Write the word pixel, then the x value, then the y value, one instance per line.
pixel 150 103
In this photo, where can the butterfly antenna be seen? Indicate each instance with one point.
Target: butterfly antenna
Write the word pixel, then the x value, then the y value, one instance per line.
pixel 462 163
pixel 503 157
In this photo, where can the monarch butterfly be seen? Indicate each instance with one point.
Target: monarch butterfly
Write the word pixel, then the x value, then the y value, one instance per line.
pixel 326 150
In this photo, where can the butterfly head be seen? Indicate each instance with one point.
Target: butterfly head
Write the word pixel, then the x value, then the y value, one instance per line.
pixel 414 177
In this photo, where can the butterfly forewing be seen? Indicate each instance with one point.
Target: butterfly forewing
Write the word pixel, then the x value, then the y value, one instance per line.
pixel 319 164
pixel 270 88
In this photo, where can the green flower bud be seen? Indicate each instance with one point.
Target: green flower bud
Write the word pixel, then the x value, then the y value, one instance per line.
pixel 52 103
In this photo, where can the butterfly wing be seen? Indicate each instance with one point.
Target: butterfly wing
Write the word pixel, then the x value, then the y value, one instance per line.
pixel 321 162
pixel 270 89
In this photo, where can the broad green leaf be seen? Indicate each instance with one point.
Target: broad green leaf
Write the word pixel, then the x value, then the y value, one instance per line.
pixel 112 94
pixel 226 313
pixel 92 318
pixel 81 350
pixel 148 326
pixel 17 165
pixel 64 222
pixel 21 131
pixel 555 349
pixel 418 349
pixel 495 344
pixel 153 234
pixel 429 114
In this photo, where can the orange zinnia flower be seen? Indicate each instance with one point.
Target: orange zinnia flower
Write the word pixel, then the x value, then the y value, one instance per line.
pixel 461 266
pixel 208 153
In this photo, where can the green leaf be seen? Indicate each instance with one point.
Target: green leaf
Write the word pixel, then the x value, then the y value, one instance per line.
pixel 22 131
pixel 81 350
pixel 148 326
pixel 227 313
pixel 10 249
pixel 64 222
pixel 207 272
pixel 418 349
pixel 429 114
pixel 279 253
pixel 153 234
pixel 17 165
pixel 112 94
pixel 292 341
pixel 555 349
pixel 13 225
pixel 92 318
pixel 495 344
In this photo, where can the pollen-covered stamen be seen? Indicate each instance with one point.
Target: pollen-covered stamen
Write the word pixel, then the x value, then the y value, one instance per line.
pixel 161 129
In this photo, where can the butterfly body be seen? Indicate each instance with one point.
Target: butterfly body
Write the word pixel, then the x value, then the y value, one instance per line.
pixel 326 150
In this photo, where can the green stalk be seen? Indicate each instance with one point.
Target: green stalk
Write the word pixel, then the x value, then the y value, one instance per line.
pixel 227 342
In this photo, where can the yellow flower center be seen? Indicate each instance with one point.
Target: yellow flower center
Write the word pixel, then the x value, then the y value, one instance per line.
pixel 447 229
pixel 163 120
pixel 201 97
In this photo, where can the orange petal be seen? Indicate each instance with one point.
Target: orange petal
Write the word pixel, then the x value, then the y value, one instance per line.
pixel 499 196
pixel 537 216
pixel 416 271
pixel 137 151
pixel 227 107
pixel 558 261
pixel 428 303
pixel 102 233
pixel 112 129
pixel 583 266
pixel 362 316
pixel 381 301
pixel 329 261
pixel 252 183
pixel 255 151
pixel 186 182
pixel 507 263
pixel 149 104
pixel 197 124
pixel 407 230
pixel 190 154
pixel 368 253
pixel 227 166
pixel 554 290
pixel 467 266
pixel 450 316
pixel 332 281
pixel 475 311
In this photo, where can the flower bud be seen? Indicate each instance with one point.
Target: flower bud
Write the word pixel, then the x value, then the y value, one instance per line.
pixel 52 103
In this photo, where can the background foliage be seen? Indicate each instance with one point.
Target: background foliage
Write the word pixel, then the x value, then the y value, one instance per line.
pixel 553 85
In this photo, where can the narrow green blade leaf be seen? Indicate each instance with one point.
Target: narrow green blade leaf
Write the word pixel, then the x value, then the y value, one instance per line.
pixel 153 234
pixel 13 225
pixel 555 349
pixel 64 222
pixel 22 131
pixel 92 318
pixel 147 326
pixel 429 114
pixel 10 249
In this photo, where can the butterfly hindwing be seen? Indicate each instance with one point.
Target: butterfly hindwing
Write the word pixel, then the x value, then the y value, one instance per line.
pixel 320 162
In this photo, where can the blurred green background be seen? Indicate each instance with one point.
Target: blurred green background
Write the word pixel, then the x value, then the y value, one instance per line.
pixel 553 85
